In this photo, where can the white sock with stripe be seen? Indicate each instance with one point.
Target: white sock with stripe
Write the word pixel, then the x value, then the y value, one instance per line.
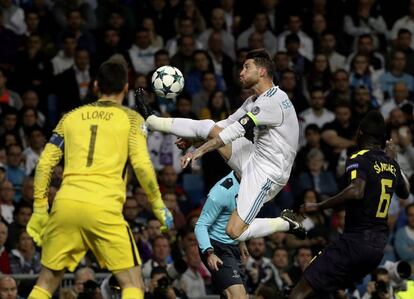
pixel 182 127
pixel 261 227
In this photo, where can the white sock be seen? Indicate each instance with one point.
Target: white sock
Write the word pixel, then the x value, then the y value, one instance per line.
pixel 182 127
pixel 261 227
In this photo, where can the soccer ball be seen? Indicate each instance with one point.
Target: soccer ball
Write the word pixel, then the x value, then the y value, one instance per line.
pixel 167 81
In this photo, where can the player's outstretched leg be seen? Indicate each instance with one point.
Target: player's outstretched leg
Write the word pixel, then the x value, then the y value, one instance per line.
pixel 236 291
pixel 182 127
pixel 288 221
pixel 302 290
pixel 46 284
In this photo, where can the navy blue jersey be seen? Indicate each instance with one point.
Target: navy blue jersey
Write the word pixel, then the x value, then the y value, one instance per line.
pixel 382 176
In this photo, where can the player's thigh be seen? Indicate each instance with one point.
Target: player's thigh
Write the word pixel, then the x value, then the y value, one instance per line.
pixel 239 154
pixel 255 190
pixel 112 242
pixel 236 291
pixel 63 244
pixel 130 278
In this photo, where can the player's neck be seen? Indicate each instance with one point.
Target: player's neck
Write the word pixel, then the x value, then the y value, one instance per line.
pixel 112 98
pixel 262 86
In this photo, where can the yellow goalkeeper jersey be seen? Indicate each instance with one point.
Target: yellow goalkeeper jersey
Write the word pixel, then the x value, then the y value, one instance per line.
pixel 96 141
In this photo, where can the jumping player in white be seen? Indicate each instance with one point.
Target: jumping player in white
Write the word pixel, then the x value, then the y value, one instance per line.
pixel 265 164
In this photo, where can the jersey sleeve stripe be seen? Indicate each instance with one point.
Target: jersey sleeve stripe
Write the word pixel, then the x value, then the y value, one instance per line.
pixel 254 119
pixel 360 153
pixel 353 174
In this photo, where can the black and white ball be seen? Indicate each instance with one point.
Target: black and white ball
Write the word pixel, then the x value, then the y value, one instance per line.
pixel 167 81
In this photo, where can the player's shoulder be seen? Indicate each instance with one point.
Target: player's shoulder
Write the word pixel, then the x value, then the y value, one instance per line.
pixel 224 186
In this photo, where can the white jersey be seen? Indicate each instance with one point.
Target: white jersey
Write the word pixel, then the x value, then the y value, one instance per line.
pixel 276 132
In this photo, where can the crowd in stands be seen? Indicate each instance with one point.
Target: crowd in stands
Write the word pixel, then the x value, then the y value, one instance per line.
pixel 335 59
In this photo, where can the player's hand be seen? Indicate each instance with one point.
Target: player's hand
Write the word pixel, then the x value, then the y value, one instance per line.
pixel 183 143
pixel 390 149
pixel 244 252
pixel 165 217
pixel 186 159
pixel 214 262
pixel 37 224
pixel 309 207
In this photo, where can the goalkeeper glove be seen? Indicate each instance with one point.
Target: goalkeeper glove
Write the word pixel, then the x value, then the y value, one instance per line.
pixel 165 217
pixel 37 224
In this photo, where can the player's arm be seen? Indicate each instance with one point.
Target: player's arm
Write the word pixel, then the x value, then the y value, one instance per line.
pixel 144 170
pixel 209 214
pixel 49 158
pixel 332 138
pixel 356 170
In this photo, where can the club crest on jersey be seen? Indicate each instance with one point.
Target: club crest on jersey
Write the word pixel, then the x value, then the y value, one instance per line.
pixel 255 110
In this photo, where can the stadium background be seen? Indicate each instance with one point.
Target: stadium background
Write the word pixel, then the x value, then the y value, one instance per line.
pixel 335 59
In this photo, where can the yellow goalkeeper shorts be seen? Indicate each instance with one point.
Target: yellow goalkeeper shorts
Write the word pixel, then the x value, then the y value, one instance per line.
pixel 75 227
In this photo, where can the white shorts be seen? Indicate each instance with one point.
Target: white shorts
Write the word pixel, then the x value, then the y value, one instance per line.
pixel 255 187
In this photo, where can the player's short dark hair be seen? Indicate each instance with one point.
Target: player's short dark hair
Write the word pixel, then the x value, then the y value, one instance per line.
pixel 262 58
pixel 158 270
pixel 373 128
pixel 112 75
pixel 292 38
pixel 312 127
pixel 161 52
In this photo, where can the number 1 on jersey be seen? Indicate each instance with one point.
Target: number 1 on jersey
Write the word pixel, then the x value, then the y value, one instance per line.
pixel 92 141
pixel 385 199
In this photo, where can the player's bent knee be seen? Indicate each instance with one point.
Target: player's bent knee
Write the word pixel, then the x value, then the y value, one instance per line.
pixel 236 291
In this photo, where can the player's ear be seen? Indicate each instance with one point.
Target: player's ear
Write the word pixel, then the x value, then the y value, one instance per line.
pixel 262 72
pixel 95 87
pixel 126 88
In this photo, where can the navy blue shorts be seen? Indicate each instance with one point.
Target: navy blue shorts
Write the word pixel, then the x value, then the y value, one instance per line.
pixel 343 263
pixel 232 271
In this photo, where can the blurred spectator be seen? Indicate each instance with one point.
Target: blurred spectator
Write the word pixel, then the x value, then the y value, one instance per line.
pixel 405 22
pixel 280 262
pixel 288 83
pixel 183 58
pixel 209 85
pixel 144 208
pixel 340 133
pixel 63 8
pixel 160 257
pixel 183 109
pixel 130 210
pixel 316 113
pixel 4 255
pixel 365 46
pixel 281 60
pixel 396 74
pixel 256 41
pixel 231 16
pixel 64 59
pixel 8 288
pixel 7 96
pixel 316 177
pixel 15 173
pixel 294 26
pixel 6 201
pixel 405 150
pixel 365 18
pixel 302 258
pixel 21 216
pixel 28 190
pixel 297 62
pixel 28 122
pixel 340 91
pixel 32 153
pixel 192 11
pixel 109 45
pixel 328 47
pixel 72 86
pixel 313 140
pixel 217 108
pixel 396 119
pixel 162 13
pixel 142 53
pixel 319 75
pixel 139 231
pixel 361 103
pixel 75 25
pixel 404 237
pixel 31 100
pixel 119 19
pixel 13 17
pixel 258 268
pixel 82 275
pixel 153 229
pixel 362 74
pixel 400 99
pixel 218 26
pixel 260 25
pixel 402 43
pixel 168 183
pixel 9 46
pixel 222 63
pixel 170 201
pixel 191 281
pixel 156 40
pixel 2 166
pixel 319 26
pixel 185 27
pixel 24 259
pixel 159 286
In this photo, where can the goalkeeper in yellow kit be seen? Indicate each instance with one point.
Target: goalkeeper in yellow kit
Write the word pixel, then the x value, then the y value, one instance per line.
pixel 96 141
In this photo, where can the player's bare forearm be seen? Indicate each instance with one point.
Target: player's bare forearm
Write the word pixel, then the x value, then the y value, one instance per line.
pixel 210 145
pixel 354 191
